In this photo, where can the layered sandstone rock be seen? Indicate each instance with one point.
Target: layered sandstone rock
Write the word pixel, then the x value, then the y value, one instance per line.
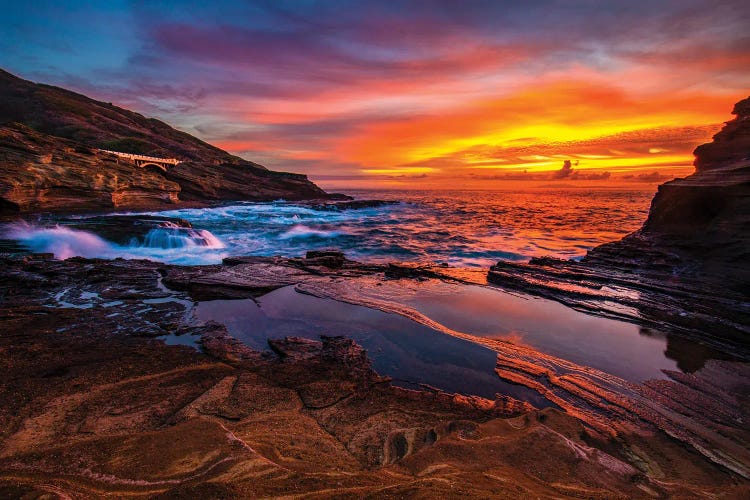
pixel 93 406
pixel 44 173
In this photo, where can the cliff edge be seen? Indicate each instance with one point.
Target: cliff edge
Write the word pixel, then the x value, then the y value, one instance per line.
pixel 698 225
pixel 685 271
pixel 51 159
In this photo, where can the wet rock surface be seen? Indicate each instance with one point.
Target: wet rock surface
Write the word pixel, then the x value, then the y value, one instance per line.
pixel 121 229
pixel 329 258
pixel 702 309
pixel 96 404
pixel 338 206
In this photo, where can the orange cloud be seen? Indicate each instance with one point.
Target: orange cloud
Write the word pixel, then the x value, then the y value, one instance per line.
pixel 536 128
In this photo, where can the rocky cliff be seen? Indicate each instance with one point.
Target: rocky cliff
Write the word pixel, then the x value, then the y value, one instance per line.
pixel 50 159
pixel 686 270
pixel 698 225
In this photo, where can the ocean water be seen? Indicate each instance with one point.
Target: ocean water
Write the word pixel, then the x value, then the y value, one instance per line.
pixel 460 228
pixel 469 228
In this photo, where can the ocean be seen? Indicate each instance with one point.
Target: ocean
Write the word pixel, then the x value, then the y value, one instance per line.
pixel 458 228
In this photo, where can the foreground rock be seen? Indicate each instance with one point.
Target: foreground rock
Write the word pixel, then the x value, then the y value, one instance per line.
pixel 50 141
pixel 94 404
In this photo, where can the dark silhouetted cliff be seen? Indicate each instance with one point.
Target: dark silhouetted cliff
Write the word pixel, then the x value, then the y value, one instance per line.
pixel 700 224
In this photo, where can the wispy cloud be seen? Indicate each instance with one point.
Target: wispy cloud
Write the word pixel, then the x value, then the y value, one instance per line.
pixel 395 89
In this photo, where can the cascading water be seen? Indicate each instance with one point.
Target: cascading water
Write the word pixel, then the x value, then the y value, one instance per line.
pixel 170 236
pixel 167 243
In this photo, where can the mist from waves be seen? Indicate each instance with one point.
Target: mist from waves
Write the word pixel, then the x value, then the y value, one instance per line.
pixel 461 228
pixel 169 243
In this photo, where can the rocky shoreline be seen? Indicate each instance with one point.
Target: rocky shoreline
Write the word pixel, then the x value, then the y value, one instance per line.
pixel 686 267
pixel 92 392
pixel 113 386
pixel 54 147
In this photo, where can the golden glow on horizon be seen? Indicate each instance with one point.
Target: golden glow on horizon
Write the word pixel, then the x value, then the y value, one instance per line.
pixel 392 171
pixel 619 164
pixel 595 125
pixel 537 130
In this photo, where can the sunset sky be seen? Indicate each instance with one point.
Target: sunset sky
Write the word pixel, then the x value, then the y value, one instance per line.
pixel 429 93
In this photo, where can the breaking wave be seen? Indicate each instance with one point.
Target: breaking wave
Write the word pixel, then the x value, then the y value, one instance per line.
pixel 60 241
pixel 171 236
pixel 170 243
pixel 462 228
pixel 302 231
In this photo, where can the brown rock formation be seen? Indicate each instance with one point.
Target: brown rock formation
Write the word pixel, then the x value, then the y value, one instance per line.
pixel 44 173
pixel 93 407
pixel 730 148
pixel 49 153
pixel 699 225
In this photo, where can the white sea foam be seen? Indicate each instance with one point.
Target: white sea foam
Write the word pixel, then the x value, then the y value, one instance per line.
pixel 61 241
pixel 303 231
pixel 460 228
pixel 167 244
pixel 171 236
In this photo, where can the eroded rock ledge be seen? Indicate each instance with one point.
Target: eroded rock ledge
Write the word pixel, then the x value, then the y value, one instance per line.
pixel 95 404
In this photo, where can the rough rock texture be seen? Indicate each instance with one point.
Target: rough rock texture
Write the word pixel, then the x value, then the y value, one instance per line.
pixel 92 405
pixel 730 148
pixel 44 173
pixel 50 159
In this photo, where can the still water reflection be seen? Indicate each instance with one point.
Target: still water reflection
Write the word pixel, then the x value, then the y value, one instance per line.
pixel 413 354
